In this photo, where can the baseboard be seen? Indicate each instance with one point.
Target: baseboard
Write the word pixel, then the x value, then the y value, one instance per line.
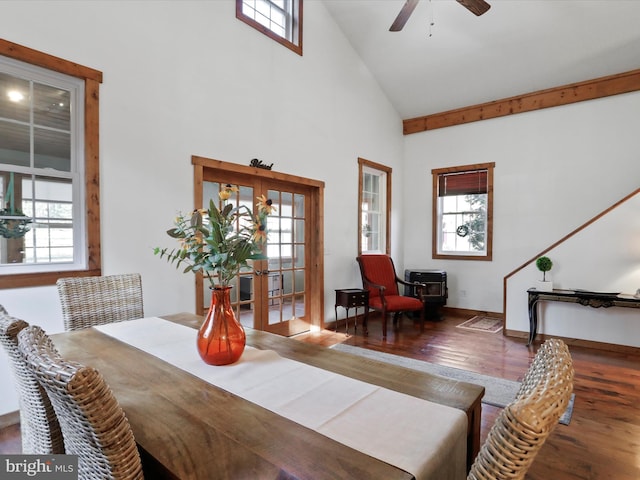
pixel 340 326
pixel 577 342
pixel 454 312
pixel 9 419
pixel 463 312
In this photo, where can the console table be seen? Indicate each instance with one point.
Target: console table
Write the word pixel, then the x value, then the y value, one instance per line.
pixel 583 297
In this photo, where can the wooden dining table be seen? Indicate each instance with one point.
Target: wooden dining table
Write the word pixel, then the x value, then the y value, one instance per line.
pixel 187 428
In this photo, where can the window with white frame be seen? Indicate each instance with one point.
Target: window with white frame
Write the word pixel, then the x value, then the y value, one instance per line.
pixel 41 170
pixel 49 168
pixel 374 206
pixel 463 212
pixel 280 20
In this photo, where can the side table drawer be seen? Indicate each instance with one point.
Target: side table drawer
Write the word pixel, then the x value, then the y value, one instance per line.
pixel 357 300
pixel 352 298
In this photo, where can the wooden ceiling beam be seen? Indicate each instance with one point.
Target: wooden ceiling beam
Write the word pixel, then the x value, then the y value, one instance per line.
pixel 553 97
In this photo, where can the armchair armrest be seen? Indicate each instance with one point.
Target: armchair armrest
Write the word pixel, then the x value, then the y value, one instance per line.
pixel 417 285
pixel 368 283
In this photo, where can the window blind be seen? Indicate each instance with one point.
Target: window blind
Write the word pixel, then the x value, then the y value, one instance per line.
pixel 463 183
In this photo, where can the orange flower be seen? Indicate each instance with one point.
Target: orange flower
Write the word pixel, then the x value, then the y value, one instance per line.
pixel 219 241
pixel 259 231
pixel 226 192
pixel 265 205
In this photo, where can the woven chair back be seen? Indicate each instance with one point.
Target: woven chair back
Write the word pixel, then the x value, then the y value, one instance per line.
pixel 89 301
pixel 550 375
pixel 523 426
pixel 93 424
pixel 39 427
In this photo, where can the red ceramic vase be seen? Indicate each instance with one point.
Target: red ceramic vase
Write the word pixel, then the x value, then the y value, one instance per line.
pixel 221 338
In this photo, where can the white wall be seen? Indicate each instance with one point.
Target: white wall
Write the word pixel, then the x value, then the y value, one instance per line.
pixel 187 78
pixel 605 257
pixel 555 170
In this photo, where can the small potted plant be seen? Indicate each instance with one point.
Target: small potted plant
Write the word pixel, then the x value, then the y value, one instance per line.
pixel 544 264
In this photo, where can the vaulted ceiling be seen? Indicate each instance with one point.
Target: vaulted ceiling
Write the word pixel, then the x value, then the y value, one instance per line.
pixel 517 47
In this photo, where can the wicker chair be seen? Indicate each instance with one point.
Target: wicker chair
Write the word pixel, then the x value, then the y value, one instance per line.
pixel 553 366
pixel 524 425
pixel 551 355
pixel 39 428
pixel 380 279
pixel 89 301
pixel 93 424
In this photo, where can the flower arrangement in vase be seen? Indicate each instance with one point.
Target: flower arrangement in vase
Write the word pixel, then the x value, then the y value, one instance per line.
pixel 218 243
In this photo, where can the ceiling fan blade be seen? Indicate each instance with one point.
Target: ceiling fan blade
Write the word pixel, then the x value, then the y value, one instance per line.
pixel 477 7
pixel 403 16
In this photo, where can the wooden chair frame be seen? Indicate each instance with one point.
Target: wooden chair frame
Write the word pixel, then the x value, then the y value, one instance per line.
pixel 385 308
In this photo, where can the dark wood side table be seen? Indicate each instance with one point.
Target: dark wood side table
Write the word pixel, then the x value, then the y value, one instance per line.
pixel 583 297
pixel 353 298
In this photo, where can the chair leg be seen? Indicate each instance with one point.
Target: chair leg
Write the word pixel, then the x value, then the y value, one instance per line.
pixel 384 324
pixel 365 321
pixel 422 320
pixel 397 320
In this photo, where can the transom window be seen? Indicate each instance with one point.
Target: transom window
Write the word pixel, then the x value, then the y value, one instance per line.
pixel 463 212
pixel 280 20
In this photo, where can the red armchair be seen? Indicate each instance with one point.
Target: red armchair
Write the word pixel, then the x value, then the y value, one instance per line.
pixel 380 279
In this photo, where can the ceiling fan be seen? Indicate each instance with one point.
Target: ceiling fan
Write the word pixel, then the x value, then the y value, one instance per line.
pixel 477 7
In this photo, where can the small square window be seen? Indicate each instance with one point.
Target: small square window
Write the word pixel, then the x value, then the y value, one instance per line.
pixel 280 20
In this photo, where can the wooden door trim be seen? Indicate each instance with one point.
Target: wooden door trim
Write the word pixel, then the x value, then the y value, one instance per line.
pixel 229 167
pixel 316 222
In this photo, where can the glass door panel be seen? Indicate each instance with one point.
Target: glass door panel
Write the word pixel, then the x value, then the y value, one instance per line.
pixel 242 293
pixel 287 266
pixel 271 294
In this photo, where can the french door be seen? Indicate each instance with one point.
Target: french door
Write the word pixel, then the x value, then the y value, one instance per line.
pixel 276 294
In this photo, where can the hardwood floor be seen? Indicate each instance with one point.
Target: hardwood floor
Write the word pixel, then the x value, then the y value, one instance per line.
pixel 10 441
pixel 601 442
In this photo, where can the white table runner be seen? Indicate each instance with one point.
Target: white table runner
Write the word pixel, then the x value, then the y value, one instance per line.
pixel 423 438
